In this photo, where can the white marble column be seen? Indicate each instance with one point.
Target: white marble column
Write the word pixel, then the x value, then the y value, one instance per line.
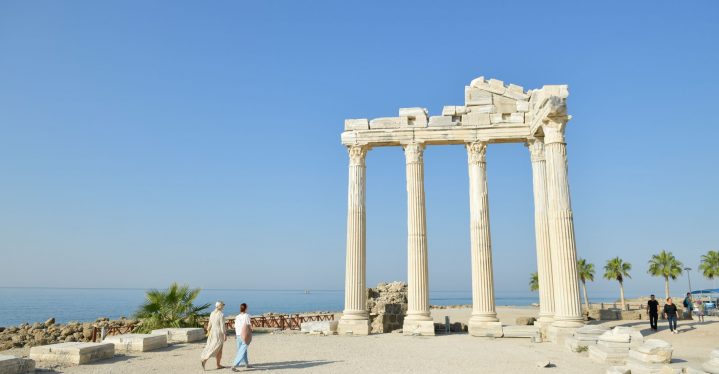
pixel 354 317
pixel 567 307
pixel 541 230
pixel 483 321
pixel 418 320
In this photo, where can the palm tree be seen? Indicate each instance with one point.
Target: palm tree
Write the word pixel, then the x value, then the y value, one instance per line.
pixel 665 265
pixel 586 273
pixel 534 282
pixel 617 269
pixel 170 308
pixel 710 265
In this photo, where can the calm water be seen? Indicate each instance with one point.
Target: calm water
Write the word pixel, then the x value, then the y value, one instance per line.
pixel 18 305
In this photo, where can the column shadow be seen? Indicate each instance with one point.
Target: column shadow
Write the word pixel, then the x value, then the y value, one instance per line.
pixel 290 364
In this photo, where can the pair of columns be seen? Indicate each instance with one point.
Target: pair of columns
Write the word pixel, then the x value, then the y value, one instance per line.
pixel 556 253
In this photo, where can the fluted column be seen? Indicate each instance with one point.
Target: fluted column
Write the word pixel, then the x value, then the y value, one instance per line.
pixel 483 309
pixel 541 230
pixel 354 317
pixel 417 274
pixel 567 307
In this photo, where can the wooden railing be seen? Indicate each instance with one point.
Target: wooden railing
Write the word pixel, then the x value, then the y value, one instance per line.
pixel 283 322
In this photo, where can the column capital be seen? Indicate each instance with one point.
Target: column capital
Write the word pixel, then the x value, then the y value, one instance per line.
pixel 553 128
pixel 476 152
pixel 536 148
pixel 357 154
pixel 413 152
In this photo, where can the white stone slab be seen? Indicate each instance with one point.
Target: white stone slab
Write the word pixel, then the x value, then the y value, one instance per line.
pixel 137 342
pixel 442 121
pixel 72 352
pixel 425 328
pixel 357 124
pixel 353 327
pixel 526 331
pixel 606 356
pixel 653 351
pixel 15 365
pixel 182 335
pixel 488 329
pixel 325 327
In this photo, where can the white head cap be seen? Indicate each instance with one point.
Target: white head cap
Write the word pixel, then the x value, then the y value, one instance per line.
pixel 219 304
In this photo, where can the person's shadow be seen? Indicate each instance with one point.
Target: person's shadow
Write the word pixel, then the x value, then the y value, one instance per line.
pixel 289 365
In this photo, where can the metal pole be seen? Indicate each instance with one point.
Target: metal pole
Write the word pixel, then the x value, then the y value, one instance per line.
pixel 689 278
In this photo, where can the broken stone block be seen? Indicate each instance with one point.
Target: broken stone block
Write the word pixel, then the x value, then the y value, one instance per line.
pixel 324 327
pixel 417 117
pixel 15 365
pixel 388 122
pixel 504 105
pixel 653 351
pixel 476 119
pixel 357 124
pixel 712 366
pixel 488 329
pixel 425 328
pixel 476 96
pixel 522 106
pixel 525 321
pixel 137 342
pixel 440 121
pixel 496 86
pixel 523 331
pixel 72 352
pixel 478 82
pixel 182 335
pixel 506 118
pixel 482 109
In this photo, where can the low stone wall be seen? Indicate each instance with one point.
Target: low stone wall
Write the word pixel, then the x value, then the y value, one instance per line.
pixel 612 314
pixel 387 306
pixel 31 335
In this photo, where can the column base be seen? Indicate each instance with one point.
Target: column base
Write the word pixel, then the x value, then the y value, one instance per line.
pixel 569 322
pixel 353 326
pixel 484 328
pixel 415 327
pixel 559 335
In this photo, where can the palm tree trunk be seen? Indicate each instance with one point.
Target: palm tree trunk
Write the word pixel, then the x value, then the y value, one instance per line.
pixel 621 294
pixel 586 299
pixel 666 287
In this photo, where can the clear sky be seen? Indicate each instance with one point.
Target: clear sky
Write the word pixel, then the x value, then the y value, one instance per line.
pixel 145 142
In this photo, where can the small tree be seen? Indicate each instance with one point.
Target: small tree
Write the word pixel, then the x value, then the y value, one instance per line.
pixel 586 273
pixel 710 265
pixel 534 282
pixel 665 265
pixel 170 308
pixel 617 269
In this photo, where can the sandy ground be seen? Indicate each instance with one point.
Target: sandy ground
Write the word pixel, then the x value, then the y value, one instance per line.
pixel 395 353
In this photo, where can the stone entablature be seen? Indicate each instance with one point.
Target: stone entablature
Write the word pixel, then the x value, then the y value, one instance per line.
pixel 492 112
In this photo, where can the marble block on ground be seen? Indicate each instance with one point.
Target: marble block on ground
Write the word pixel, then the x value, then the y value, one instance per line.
pixel 425 328
pixel 522 331
pixel 15 365
pixel 653 351
pixel 712 366
pixel 137 342
pixel 486 329
pixel 604 355
pixel 182 335
pixel 72 352
pixel 638 367
pixel 353 327
pixel 324 327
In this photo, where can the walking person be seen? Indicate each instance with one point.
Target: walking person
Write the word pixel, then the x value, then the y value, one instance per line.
pixel 670 312
pixel 699 310
pixel 653 312
pixel 688 306
pixel 243 330
pixel 216 335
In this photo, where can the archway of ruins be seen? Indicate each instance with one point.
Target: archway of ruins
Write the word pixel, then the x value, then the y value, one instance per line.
pixel 493 113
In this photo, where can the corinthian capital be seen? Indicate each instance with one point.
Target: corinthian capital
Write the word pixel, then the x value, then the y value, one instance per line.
pixel 553 128
pixel 357 154
pixel 477 152
pixel 413 152
pixel 536 148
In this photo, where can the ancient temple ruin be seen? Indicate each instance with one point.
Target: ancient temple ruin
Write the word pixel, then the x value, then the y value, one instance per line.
pixel 492 113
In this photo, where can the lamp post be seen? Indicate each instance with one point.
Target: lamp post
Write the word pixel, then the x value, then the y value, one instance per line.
pixel 689 278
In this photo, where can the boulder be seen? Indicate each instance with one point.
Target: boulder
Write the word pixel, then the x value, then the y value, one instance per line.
pixel 525 321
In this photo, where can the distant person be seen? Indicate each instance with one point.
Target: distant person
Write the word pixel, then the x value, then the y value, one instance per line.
pixel 653 312
pixel 243 330
pixel 216 335
pixel 688 306
pixel 699 310
pixel 670 312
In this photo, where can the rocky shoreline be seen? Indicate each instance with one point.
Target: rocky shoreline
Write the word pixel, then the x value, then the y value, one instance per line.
pixel 41 333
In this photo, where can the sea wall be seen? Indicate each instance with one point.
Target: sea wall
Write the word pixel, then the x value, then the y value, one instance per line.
pixel 31 335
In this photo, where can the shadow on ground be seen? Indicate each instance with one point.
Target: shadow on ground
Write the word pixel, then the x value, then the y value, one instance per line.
pixel 290 365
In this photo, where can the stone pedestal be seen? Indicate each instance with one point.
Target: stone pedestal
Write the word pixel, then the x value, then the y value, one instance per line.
pixel 353 326
pixel 559 335
pixel 324 327
pixel 418 316
pixel 524 331
pixel 584 337
pixel 15 365
pixel 137 342
pixel 72 353
pixel 181 335
pixel 354 317
pixel 486 329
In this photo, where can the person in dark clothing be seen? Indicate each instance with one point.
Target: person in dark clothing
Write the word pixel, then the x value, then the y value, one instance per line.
pixel 688 306
pixel 670 312
pixel 653 312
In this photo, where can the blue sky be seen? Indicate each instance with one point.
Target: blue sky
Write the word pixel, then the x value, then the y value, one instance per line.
pixel 146 142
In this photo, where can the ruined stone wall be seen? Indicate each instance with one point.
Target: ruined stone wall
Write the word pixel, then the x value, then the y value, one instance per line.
pixel 387 306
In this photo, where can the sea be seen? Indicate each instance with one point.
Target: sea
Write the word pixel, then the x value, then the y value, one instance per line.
pixel 19 305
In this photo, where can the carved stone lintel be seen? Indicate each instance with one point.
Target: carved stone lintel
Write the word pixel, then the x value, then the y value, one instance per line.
pixel 477 152
pixel 536 148
pixel 553 128
pixel 357 154
pixel 413 152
